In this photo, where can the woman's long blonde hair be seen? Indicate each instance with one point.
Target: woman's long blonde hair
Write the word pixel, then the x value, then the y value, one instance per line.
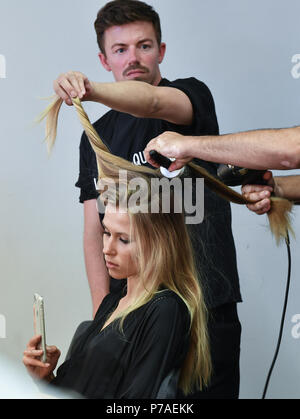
pixel 165 252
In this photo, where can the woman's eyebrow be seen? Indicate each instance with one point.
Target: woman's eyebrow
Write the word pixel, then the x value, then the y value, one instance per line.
pixel 119 233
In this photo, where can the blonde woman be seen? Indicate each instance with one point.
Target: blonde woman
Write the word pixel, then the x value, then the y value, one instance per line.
pixel 151 335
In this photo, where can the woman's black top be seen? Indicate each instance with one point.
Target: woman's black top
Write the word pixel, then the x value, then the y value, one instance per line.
pixel 114 365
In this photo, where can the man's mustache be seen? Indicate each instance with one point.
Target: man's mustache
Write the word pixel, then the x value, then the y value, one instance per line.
pixel 135 67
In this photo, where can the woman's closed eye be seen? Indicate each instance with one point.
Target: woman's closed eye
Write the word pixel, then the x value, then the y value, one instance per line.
pixel 122 239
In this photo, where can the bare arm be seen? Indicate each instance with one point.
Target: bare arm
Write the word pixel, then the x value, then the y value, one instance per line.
pixel 288 187
pixel 261 149
pixel 137 98
pixel 97 274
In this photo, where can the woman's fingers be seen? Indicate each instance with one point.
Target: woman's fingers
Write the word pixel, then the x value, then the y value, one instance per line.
pixel 33 352
pixel 33 343
pixel 29 360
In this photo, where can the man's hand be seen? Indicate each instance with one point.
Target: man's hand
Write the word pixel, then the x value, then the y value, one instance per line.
pixel 73 84
pixel 171 145
pixel 260 194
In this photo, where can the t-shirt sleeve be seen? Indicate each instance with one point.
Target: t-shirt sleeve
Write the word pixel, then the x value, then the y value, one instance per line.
pixel 205 119
pixel 88 171
pixel 160 348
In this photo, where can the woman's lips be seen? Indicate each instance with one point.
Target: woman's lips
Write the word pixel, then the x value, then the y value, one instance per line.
pixel 110 264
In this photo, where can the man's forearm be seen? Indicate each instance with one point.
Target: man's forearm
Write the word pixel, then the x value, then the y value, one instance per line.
pixel 261 149
pixel 143 100
pixel 137 98
pixel 288 187
pixel 133 97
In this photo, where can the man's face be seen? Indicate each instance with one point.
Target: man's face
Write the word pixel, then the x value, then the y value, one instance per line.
pixel 132 52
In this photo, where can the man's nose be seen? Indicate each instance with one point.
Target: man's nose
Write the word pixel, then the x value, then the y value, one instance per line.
pixel 133 55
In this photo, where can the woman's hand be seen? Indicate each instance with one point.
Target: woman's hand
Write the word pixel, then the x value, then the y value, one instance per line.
pixel 35 367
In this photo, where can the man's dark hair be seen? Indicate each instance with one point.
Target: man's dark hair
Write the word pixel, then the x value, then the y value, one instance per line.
pixel 120 12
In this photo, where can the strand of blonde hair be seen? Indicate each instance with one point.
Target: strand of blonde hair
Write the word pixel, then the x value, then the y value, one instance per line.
pixel 279 215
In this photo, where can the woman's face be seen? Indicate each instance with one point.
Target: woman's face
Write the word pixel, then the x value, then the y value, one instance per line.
pixel 119 248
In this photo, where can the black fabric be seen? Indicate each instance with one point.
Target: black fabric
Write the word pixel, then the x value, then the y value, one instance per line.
pixel 106 364
pixel 127 136
pixel 225 338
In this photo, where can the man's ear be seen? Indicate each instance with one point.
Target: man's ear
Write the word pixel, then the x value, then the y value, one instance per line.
pixel 162 51
pixel 103 61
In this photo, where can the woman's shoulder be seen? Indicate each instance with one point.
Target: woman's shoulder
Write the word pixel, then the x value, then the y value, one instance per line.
pixel 167 302
pixel 166 314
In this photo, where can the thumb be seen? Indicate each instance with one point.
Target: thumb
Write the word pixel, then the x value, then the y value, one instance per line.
pixel 176 165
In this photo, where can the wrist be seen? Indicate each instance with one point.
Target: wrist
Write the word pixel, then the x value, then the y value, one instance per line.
pixel 49 378
pixel 278 191
pixel 189 147
pixel 93 95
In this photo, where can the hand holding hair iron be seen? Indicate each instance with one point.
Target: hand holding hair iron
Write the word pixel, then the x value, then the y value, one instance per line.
pixel 235 175
pixel 160 159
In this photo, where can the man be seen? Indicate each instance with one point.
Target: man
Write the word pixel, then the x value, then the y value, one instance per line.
pixel 260 149
pixel 143 106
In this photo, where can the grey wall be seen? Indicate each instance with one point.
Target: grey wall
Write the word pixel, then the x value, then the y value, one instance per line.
pixel 243 50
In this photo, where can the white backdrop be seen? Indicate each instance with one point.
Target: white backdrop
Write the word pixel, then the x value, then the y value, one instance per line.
pixel 248 53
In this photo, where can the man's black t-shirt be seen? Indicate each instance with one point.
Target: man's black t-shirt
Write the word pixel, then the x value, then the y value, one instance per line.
pixel 127 137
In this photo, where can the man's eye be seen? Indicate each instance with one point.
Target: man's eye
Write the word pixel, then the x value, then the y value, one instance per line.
pixel 145 46
pixel 120 50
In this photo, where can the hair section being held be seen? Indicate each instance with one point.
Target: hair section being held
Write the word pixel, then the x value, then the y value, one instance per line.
pixel 279 215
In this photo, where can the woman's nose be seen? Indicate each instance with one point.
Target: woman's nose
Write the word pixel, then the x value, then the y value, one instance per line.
pixel 108 247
